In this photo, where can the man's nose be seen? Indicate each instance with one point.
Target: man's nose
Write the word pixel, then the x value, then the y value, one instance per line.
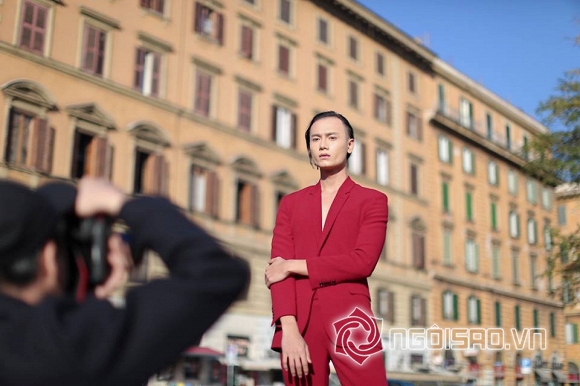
pixel 323 144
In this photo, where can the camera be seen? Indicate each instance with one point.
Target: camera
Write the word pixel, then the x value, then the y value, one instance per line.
pixel 82 242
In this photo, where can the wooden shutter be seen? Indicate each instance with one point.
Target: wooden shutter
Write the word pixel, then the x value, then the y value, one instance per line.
pixel 102 157
pixel 322 74
pixel 293 130
pixel 455 307
pixel 423 319
pixel 419 129
pixel 391 310
pixel 274 123
pixel 161 171
pixel 43 141
pixel 247 42
pixel 156 74
pixel 284 59
pixel 139 68
pixel 220 29
pixel 198 17
pixel 255 206
pixel 212 194
pixel 389 112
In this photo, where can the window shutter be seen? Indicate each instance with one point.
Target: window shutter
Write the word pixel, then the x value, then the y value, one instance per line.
pixel 212 197
pixel 220 29
pixel 293 130
pixel 575 331
pixel 419 129
pixel 389 112
pixel 322 77
pixel 445 193
pixel 455 307
pixel 274 123
pixel 255 207
pixel 41 146
pixel 363 157
pixel 246 46
pixel 391 310
pixel 443 297
pixel 156 74
pixel 377 106
pixel 478 311
pixel 450 148
pixel 284 59
pixel 145 3
pixel 198 17
pixel 139 65
pixel 162 174
pixel 102 157
pixel 423 311
pixel 27 25
pixel 160 6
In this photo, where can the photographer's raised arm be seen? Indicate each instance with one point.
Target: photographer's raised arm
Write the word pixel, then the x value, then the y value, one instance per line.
pixel 163 318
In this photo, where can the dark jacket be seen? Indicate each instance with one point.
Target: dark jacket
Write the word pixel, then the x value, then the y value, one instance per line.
pixel 61 342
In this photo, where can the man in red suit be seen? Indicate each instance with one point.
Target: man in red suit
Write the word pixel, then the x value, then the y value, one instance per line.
pixel 327 241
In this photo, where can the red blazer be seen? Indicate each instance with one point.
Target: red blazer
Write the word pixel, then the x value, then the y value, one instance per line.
pixel 339 257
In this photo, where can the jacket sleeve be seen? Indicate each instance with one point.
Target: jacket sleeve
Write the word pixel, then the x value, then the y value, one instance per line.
pixel 284 292
pixel 164 317
pixel 360 262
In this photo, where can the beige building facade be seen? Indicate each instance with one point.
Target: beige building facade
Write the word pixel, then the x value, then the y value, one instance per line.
pixel 207 101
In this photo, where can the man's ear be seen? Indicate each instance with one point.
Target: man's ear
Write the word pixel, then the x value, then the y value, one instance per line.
pixel 350 147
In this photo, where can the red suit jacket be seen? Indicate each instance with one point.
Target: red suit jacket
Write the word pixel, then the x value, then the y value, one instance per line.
pixel 339 257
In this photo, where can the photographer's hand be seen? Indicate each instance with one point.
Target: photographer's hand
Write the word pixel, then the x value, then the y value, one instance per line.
pixel 121 263
pixel 98 196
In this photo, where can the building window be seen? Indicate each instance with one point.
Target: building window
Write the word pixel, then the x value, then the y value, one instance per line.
pixel 418 245
pixel 382 167
pixel 533 272
pixel 495 262
pixel 469 206
pixel 357 160
pixel 473 310
pixel 93 55
pixel 323 31
pixel 518 324
pixel 512 182
pixel 353 94
pixel 284 59
pixel 532 231
pixel 547 237
pixel 492 173
pixel 525 149
pixel 209 23
pixel 497 314
pixel 353 48
pixel 468 161
pixel 247 203
pixel 91 156
pixel 571 333
pixel 445 196
pixel 322 77
pixel 411 82
pixel 203 191
pixel 447 247
pixel 285 11
pixel 150 173
pixel 380 64
pixel 441 98
pixel 471 256
pixel 561 214
pixel 386 305
pixel 284 127
pixel 147 72
pixel 508 137
pixel 203 88
pixel 247 42
pixel 493 215
pixel 413 125
pixel 531 191
pixel 514 224
pixel 515 267
pixel 418 311
pixel 245 99
pixel 445 149
pixel 383 111
pixel 414 179
pixel 154 5
pixel 450 306
pixel 466 113
pixel 33 25
pixel 546 198
pixel 552 325
pixel 489 126
pixel 30 141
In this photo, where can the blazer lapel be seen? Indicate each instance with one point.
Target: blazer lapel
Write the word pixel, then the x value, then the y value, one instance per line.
pixel 341 196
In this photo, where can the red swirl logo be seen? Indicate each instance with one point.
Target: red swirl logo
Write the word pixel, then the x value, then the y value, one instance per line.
pixel 358 336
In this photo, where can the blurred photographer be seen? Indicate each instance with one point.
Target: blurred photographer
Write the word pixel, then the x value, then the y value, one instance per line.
pixel 50 338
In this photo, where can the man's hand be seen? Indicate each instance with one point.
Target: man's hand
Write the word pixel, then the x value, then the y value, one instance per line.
pixel 98 196
pixel 277 270
pixel 121 263
pixel 295 354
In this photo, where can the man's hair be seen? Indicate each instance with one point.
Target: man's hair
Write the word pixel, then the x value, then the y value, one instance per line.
pixel 328 114
pixel 21 271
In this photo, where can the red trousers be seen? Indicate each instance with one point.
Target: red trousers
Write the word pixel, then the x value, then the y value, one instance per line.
pixel 322 350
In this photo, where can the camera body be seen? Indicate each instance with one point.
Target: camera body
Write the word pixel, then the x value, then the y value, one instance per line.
pixel 84 241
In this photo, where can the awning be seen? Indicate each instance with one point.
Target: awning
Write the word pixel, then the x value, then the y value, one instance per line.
pixel 545 375
pixel 199 351
pixel 561 376
pixel 263 365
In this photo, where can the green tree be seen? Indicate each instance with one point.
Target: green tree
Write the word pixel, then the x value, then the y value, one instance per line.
pixel 555 160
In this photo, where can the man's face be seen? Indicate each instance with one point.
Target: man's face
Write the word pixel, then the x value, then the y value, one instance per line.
pixel 329 143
